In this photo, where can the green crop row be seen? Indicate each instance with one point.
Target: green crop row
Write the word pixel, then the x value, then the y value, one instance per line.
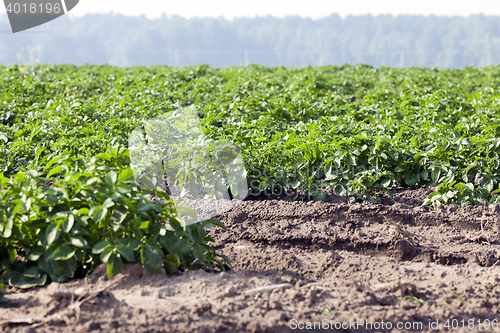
pixel 357 129
pixel 85 212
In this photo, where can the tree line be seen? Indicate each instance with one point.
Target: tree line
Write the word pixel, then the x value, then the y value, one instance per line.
pixel 384 40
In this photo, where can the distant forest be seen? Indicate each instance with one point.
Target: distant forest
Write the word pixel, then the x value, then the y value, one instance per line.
pixel 385 40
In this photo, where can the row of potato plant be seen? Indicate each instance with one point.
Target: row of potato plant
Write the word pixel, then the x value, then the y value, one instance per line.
pixel 355 129
pixel 92 213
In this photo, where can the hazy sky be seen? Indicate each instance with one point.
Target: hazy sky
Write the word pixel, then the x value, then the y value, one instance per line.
pixel 307 8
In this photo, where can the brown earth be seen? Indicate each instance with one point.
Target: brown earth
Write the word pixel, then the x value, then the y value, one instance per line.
pixel 296 264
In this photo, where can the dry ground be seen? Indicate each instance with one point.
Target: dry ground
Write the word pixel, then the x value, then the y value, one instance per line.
pixel 296 264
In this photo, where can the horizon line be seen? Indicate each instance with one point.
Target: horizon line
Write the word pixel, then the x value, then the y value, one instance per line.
pixel 342 16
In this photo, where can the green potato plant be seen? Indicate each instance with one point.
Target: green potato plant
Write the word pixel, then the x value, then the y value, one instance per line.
pixel 92 213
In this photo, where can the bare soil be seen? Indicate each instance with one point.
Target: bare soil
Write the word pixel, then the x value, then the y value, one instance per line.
pixel 320 266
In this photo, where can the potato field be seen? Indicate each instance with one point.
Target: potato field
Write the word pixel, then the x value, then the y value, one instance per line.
pixel 373 201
